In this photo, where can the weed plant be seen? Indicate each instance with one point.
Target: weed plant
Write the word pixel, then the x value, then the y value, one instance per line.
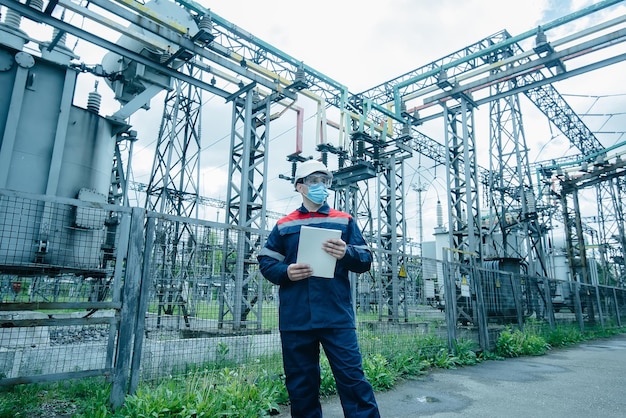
pixel 257 389
pixel 233 393
pixel 564 336
pixel 515 343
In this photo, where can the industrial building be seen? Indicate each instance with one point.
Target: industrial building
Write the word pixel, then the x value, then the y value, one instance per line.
pixel 90 257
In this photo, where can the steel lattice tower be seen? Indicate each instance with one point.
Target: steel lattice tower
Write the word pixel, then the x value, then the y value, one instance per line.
pixel 391 230
pixel 245 209
pixel 173 189
pixel 464 211
pixel 513 230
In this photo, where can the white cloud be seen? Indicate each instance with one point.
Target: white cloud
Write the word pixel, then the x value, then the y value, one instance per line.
pixel 362 43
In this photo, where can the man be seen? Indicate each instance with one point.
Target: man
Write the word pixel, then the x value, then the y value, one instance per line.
pixel 316 311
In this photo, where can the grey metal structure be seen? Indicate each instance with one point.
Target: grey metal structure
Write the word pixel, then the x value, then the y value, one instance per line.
pixel 383 121
pixel 245 207
pixel 391 232
pixel 174 189
pixel 49 158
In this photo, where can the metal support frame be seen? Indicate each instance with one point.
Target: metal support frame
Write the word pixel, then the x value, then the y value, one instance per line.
pixel 513 225
pixel 174 189
pixel 245 208
pixel 464 214
pixel 574 228
pixel 509 186
pixel 259 63
pixel 243 62
pixel 355 200
pixel 391 230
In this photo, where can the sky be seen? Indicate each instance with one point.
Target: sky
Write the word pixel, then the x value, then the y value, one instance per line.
pixel 361 44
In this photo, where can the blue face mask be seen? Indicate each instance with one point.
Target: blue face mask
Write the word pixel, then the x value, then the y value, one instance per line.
pixel 317 193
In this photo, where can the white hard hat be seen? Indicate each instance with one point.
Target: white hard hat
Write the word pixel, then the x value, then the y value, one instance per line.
pixel 309 167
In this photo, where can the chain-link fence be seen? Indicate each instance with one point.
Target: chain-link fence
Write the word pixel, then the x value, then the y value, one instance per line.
pixel 93 289
pixel 60 287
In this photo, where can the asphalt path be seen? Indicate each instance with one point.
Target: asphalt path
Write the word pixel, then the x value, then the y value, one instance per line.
pixel 588 380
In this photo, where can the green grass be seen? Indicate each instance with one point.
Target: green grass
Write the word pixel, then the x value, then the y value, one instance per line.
pixel 257 388
pixel 230 392
pixel 73 398
pixel 515 343
pixel 209 310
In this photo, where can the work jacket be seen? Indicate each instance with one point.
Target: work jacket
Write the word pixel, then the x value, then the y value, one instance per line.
pixel 314 302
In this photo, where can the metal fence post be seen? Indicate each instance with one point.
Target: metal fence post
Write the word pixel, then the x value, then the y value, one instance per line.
pixel 548 302
pixel 129 309
pixel 481 312
pixel 617 308
pixel 144 298
pixel 578 306
pixel 599 302
pixel 450 300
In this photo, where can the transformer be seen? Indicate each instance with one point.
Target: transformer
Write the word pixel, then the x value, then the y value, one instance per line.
pixel 50 147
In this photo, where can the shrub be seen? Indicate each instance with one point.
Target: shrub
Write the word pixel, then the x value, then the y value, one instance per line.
pixel 562 337
pixel 408 363
pixel 378 372
pixel 517 343
pixel 236 395
pixel 465 354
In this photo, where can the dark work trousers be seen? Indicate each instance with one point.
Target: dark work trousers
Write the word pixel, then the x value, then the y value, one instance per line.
pixel 301 356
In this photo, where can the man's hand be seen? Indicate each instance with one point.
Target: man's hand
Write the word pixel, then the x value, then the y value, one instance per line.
pixel 335 247
pixel 299 271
